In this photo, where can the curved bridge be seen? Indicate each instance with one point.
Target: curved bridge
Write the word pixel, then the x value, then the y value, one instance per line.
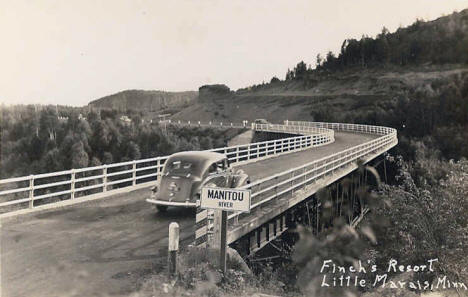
pixel 121 236
pixel 308 172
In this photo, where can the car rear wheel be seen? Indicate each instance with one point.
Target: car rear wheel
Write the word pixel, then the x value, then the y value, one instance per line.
pixel 161 208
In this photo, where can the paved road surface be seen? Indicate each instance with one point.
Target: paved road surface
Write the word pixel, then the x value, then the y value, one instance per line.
pixel 243 138
pixel 96 248
pixel 106 247
pixel 268 167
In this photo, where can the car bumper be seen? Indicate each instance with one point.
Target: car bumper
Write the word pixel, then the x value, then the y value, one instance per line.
pixel 171 203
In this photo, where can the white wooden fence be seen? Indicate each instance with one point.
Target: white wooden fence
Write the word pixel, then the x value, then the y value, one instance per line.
pixel 29 191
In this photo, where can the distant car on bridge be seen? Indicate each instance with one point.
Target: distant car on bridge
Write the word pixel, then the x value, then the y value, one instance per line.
pixel 261 121
pixel 185 173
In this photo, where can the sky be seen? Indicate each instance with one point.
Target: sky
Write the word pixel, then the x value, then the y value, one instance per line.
pixel 72 52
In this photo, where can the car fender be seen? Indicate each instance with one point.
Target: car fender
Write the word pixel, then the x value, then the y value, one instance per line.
pixel 240 179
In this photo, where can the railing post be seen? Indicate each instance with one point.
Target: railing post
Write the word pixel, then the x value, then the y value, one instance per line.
pixel 292 184
pixel 134 173
pixel 237 154
pixel 104 178
pixel 305 177
pixel 72 184
pixel 31 191
pixel 158 168
pixel 276 189
pixel 315 172
pixel 173 247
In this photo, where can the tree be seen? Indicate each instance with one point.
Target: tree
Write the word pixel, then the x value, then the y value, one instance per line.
pixel 48 124
pixel 331 61
pixel 133 151
pixel 107 158
pixel 428 214
pixel 300 70
pixel 274 79
pixel 289 75
pixel 52 161
pixel 318 61
pixel 79 157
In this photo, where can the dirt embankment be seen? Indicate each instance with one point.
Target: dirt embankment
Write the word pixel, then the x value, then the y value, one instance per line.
pixel 340 93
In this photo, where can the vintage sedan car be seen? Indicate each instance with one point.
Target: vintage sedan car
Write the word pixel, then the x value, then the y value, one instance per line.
pixel 185 173
pixel 261 121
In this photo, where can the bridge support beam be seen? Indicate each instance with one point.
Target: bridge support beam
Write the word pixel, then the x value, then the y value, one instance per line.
pixel 342 198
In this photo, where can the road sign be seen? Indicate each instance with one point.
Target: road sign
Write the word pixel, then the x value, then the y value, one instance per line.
pixel 225 199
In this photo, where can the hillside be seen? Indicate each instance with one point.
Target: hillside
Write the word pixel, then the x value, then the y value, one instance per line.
pixel 366 76
pixel 146 100
pixel 340 95
pixel 414 79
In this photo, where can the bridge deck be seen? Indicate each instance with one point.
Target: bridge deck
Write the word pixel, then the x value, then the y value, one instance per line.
pixel 107 246
pixel 271 166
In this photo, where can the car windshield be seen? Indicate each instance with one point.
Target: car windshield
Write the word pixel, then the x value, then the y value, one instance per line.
pixel 179 168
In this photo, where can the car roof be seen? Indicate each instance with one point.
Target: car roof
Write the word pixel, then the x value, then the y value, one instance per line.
pixel 200 159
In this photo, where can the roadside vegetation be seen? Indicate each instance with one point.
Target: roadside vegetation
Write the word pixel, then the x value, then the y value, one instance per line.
pixel 198 275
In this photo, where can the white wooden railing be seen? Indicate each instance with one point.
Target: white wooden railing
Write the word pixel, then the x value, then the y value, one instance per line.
pixel 286 183
pixel 213 124
pixel 24 192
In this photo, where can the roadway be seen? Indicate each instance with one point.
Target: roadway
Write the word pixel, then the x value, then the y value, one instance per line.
pixel 268 167
pixel 108 246
pixel 97 248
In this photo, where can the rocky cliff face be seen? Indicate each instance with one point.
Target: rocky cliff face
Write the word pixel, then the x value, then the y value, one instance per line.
pixel 146 100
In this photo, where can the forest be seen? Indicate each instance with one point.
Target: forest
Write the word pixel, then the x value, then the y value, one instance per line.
pixel 430 113
pixel 442 41
pixel 436 115
pixel 41 139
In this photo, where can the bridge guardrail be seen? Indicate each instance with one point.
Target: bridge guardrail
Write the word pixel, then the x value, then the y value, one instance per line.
pixel 18 192
pixel 212 124
pixel 295 179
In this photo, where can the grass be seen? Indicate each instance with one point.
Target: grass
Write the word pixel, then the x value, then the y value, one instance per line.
pixel 198 275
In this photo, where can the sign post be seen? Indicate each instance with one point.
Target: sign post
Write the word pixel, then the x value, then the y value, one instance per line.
pixel 223 245
pixel 225 199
